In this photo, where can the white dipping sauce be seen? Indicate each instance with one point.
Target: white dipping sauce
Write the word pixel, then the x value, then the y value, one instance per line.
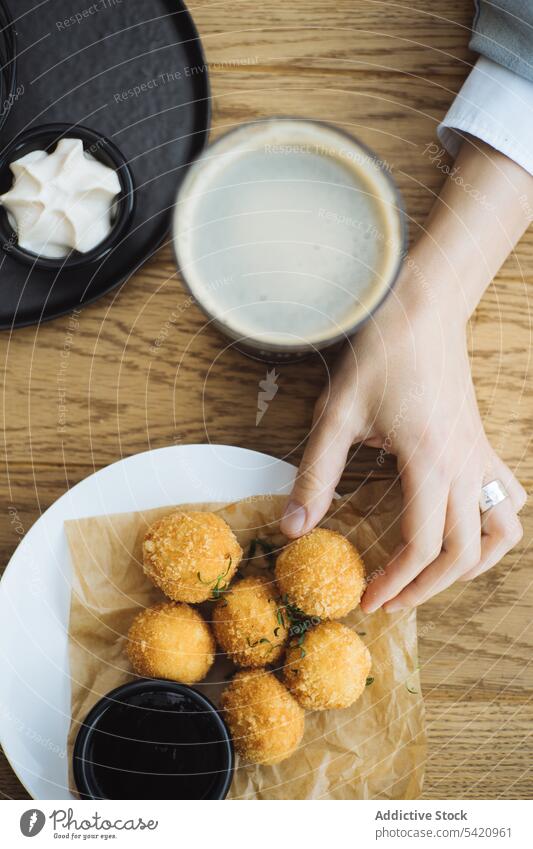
pixel 287 232
pixel 61 201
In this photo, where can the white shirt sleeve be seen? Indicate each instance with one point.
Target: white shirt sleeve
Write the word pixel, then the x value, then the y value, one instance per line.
pixel 495 105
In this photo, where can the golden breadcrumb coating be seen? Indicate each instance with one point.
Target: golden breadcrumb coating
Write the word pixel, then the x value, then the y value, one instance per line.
pixel 329 669
pixel 191 556
pixel 322 574
pixel 248 622
pixel 265 722
pixel 171 641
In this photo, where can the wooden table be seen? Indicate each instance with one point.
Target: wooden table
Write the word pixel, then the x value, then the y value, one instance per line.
pixel 387 72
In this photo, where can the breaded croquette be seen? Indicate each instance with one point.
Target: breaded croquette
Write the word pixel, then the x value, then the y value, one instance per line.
pixel 329 669
pixel 191 556
pixel 265 721
pixel 322 574
pixel 248 622
pixel 171 641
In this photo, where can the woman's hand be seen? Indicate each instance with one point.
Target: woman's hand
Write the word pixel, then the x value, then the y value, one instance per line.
pixel 403 386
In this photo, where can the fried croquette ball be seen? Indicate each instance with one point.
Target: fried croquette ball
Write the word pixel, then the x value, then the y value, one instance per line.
pixel 248 623
pixel 265 721
pixel 322 574
pixel 329 669
pixel 171 641
pixel 191 556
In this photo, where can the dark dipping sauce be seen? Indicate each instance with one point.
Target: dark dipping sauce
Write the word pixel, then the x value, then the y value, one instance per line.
pixel 153 740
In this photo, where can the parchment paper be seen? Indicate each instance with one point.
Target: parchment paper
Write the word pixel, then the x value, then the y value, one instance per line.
pixel 372 750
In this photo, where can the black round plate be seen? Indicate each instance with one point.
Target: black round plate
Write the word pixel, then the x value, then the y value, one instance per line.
pixel 134 72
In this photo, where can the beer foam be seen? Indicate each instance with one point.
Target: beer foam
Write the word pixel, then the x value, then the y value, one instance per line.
pixel 288 232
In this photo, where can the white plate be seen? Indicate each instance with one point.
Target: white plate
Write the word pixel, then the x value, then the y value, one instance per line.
pixel 35 589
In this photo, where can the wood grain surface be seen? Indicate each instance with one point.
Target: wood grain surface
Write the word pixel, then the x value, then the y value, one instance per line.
pixel 84 390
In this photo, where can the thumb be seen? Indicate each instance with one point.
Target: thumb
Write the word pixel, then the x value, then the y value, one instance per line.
pixel 321 468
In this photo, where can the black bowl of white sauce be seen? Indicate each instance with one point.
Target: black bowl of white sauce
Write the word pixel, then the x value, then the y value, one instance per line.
pixel 66 197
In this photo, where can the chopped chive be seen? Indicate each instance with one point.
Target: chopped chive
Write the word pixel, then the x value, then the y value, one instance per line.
pixel 229 567
pixel 259 642
pixel 369 681
pixel 266 547
pixel 219 587
pixel 201 579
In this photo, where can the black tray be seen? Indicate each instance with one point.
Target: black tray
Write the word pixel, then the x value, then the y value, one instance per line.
pixel 86 72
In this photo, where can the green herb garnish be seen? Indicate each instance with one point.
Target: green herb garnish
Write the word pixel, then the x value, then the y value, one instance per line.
pixel 220 586
pixel 219 590
pixel 263 641
pixel 369 681
pixel 257 642
pixel 299 622
pixel 202 580
pixel 267 549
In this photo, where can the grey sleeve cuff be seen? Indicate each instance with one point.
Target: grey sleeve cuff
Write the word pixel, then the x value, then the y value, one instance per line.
pixel 503 32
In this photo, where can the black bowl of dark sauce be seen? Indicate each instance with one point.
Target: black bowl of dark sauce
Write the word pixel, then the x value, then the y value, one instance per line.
pixel 153 739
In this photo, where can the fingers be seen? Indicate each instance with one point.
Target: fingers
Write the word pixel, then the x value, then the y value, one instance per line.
pixel 321 468
pixel 501 527
pixel 462 548
pixel 502 530
pixel 425 497
pixel 472 544
pixel 498 469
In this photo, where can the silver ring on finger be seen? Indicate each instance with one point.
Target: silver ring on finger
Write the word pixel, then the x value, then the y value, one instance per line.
pixel 492 493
